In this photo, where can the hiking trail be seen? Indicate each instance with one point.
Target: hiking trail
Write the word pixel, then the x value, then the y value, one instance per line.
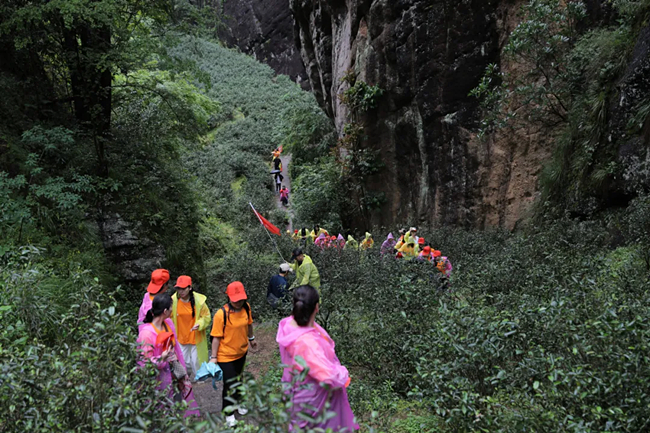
pixel 286 160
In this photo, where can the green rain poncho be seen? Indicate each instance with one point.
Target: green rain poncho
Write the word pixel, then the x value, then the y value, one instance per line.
pixel 351 243
pixel 306 274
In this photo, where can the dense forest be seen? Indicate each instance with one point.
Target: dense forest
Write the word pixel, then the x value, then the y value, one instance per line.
pixel 132 137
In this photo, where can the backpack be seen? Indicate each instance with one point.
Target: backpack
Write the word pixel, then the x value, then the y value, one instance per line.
pixel 225 316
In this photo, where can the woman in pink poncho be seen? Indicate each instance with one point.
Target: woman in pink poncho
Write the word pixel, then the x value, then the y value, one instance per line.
pixel 154 338
pixel 324 387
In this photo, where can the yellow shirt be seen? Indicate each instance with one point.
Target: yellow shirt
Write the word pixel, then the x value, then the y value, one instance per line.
pixel 234 341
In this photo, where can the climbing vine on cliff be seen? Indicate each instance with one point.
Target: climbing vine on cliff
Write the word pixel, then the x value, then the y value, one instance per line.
pixel 356 158
pixel 559 76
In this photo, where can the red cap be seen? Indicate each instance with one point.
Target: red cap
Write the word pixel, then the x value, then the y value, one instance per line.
pixel 437 253
pixel 164 339
pixel 333 238
pixel 158 278
pixel 426 250
pixel 235 291
pixel 295 231
pixel 183 281
pixel 421 241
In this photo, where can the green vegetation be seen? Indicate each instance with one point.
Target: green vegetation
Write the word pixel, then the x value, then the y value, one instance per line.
pixel 564 82
pixel 543 330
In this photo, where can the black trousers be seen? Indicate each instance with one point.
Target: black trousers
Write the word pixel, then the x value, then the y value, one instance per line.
pixel 231 371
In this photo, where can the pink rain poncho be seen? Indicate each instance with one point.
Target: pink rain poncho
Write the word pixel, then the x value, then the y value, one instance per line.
pixel 152 351
pixel 388 245
pixel 341 241
pixel 316 347
pixel 320 240
pixel 142 313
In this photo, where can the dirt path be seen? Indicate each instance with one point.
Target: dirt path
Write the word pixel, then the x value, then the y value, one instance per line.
pixel 286 160
pixel 258 363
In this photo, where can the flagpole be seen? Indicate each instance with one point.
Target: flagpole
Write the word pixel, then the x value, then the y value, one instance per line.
pixel 267 232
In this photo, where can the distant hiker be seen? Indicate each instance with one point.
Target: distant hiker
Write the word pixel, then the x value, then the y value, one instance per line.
pixel 304 236
pixel 159 345
pixel 388 245
pixel 425 254
pixel 408 250
pixel 351 244
pixel 320 240
pixel 332 242
pixel 317 232
pixel 299 336
pixel 400 241
pixel 232 333
pixel 341 241
pixel 278 182
pixel 276 153
pixel 420 245
pixel 191 318
pixel 368 242
pixel 158 285
pixel 411 234
pixel 284 195
pixel 306 271
pixel 295 236
pixel 277 163
pixel 277 288
pixel 443 264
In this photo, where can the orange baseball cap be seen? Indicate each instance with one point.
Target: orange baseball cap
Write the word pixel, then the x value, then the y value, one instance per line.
pixel 437 253
pixel 183 281
pixel 158 278
pixel 235 291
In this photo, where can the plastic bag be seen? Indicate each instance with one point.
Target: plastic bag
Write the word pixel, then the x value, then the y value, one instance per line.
pixel 209 370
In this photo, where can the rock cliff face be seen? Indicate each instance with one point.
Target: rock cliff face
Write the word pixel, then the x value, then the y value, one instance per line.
pixel 426 56
pixel 264 29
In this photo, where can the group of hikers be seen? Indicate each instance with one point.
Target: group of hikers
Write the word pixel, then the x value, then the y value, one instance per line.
pixel 408 246
pixel 276 171
pixel 173 336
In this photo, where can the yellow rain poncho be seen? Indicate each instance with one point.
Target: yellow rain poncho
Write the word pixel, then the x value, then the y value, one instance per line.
pixel 203 319
pixel 408 251
pixel 368 242
pixel 306 274
pixel 351 243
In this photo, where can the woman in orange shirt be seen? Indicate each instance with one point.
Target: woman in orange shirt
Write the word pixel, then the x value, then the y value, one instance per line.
pixel 191 318
pixel 232 334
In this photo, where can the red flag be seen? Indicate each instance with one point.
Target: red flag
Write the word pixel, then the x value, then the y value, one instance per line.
pixel 266 223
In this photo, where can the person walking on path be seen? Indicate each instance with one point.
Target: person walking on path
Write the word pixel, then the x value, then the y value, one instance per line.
pixel 284 196
pixel 159 345
pixel 191 317
pixel 277 288
pixel 367 242
pixel 306 271
pixel 299 336
pixel 158 285
pixel 232 334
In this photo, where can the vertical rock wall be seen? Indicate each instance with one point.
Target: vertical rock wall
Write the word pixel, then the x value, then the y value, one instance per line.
pixel 264 29
pixel 426 55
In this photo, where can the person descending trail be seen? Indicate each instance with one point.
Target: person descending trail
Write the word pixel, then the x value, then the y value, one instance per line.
pixel 232 334
pixel 191 317
pixel 159 345
pixel 306 271
pixel 278 182
pixel 284 196
pixel 158 285
pixel 299 336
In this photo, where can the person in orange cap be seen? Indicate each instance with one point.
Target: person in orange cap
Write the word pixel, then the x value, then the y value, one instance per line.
pixel 191 317
pixel 158 285
pixel 232 334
